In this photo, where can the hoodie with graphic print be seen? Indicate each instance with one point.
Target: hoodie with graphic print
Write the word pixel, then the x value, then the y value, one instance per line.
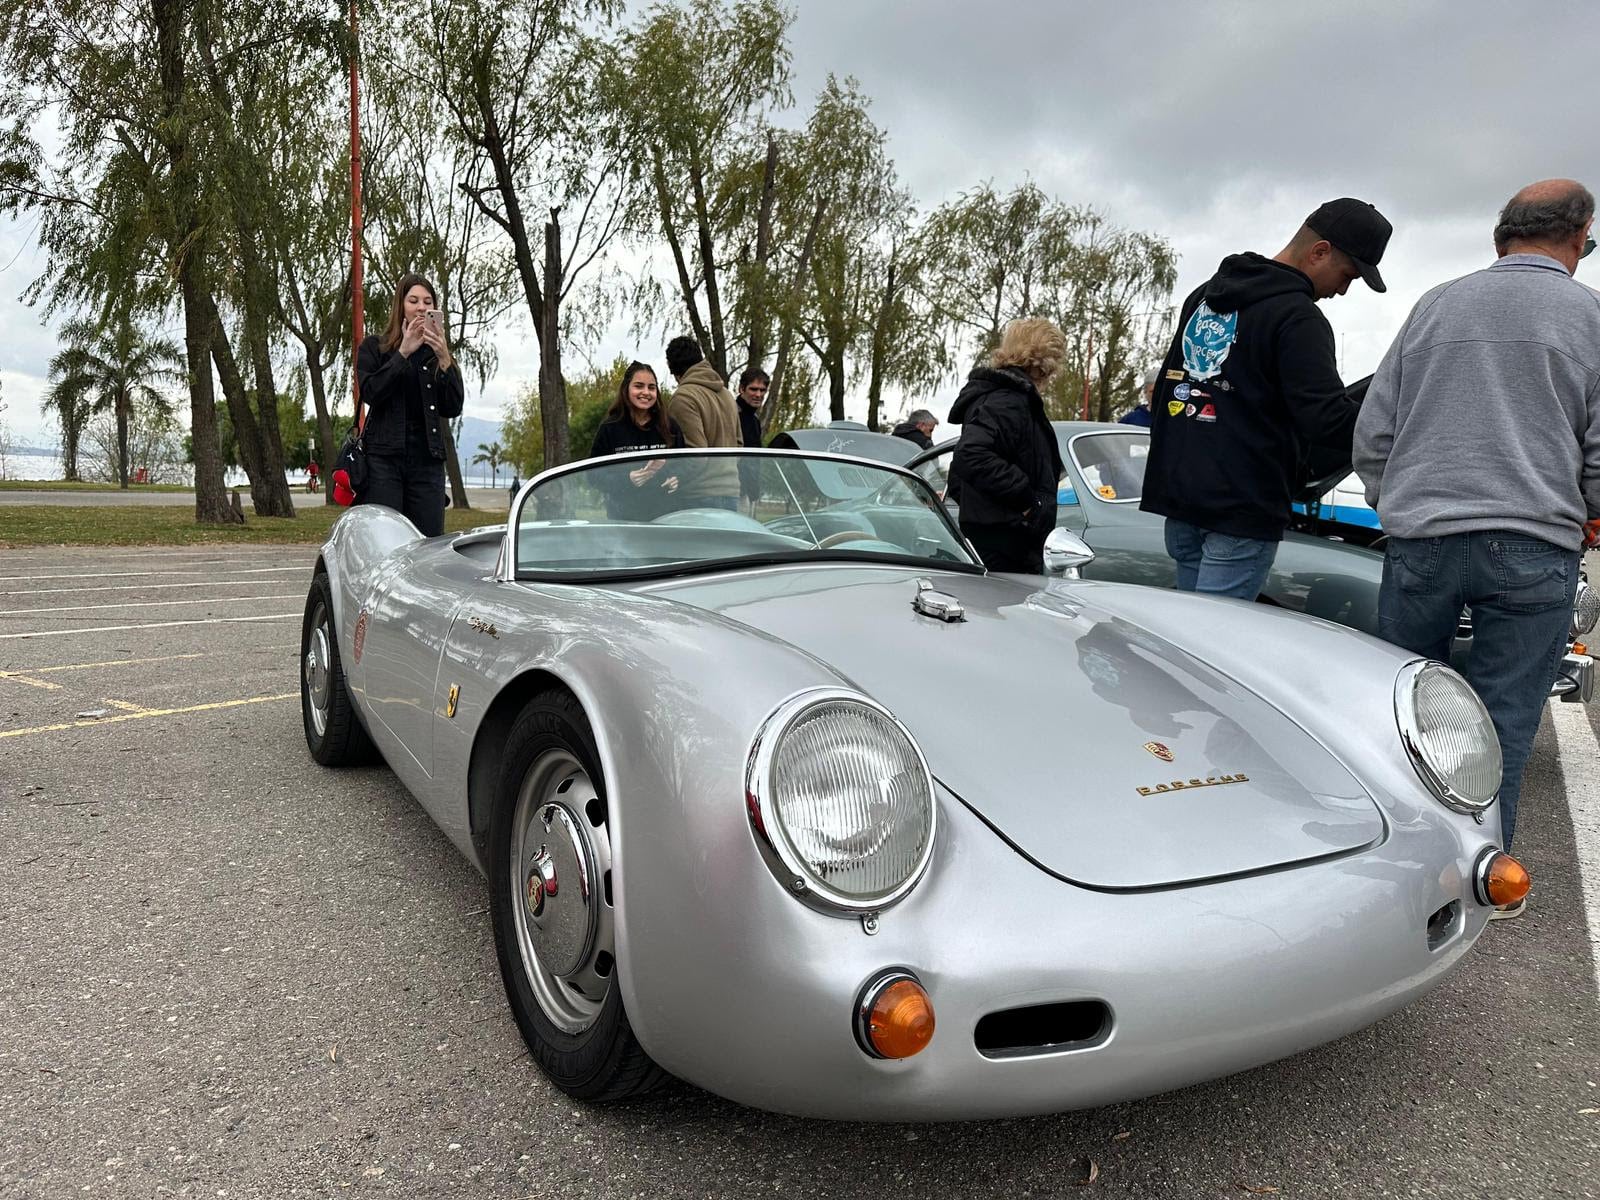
pixel 1249 385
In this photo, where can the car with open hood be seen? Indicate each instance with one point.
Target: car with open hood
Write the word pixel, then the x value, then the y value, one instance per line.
pixel 803 806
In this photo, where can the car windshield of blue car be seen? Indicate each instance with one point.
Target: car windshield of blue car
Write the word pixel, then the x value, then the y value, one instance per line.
pixel 656 513
pixel 1112 463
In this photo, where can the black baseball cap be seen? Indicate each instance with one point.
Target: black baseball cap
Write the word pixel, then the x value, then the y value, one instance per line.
pixel 1358 229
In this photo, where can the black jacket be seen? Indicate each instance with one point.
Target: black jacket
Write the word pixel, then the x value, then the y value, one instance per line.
pixel 406 395
pixel 1248 388
pixel 1007 458
pixel 912 434
pixel 625 500
pixel 750 431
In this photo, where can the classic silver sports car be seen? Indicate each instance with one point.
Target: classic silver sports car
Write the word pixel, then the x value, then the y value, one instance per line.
pixel 801 805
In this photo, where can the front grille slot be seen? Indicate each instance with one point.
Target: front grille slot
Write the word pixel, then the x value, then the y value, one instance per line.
pixel 1043 1029
pixel 1443 925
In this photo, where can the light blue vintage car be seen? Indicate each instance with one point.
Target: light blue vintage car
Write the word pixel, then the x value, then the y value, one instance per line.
pixel 804 806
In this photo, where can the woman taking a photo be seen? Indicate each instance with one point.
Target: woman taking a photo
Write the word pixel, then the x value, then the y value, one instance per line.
pixel 637 421
pixel 410 384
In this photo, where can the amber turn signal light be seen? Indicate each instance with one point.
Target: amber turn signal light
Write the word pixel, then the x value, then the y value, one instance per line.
pixel 1502 879
pixel 894 1018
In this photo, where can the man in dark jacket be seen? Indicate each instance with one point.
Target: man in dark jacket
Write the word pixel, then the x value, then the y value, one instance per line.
pixel 1008 460
pixel 1248 387
pixel 918 428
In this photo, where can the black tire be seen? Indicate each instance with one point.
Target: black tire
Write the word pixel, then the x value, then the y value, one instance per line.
pixel 583 1042
pixel 334 733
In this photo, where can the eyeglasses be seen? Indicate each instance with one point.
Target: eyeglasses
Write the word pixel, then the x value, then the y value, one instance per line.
pixel 1588 247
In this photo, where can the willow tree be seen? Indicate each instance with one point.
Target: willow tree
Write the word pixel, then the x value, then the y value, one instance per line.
pixel 690 87
pixel 516 86
pixel 121 207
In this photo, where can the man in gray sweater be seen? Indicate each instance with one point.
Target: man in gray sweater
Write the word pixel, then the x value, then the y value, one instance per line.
pixel 1479 444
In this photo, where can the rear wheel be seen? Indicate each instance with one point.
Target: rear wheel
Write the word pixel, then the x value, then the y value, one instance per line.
pixel 333 731
pixel 550 896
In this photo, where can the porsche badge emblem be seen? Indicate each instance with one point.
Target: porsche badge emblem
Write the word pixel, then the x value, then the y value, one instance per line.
pixel 359 638
pixel 1159 751
pixel 1181 785
pixel 450 704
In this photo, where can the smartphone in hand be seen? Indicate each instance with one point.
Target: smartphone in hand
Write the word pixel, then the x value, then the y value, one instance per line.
pixel 435 319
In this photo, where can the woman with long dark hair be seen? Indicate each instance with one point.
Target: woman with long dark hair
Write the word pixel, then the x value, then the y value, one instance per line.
pixel 636 420
pixel 410 384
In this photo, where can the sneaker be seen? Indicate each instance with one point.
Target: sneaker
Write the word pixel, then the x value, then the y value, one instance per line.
pixel 1506 912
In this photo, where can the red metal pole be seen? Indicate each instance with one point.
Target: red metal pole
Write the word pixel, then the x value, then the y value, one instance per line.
pixel 355 204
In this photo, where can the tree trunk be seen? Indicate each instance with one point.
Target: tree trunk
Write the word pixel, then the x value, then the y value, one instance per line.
pixel 210 497
pixel 759 280
pixel 880 350
pixel 685 284
pixel 271 494
pixel 452 469
pixel 786 336
pixel 245 434
pixel 122 439
pixel 552 387
pixel 717 352
pixel 326 450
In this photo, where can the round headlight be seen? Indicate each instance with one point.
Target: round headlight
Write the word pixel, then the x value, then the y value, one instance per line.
pixel 1449 736
pixel 841 800
pixel 1585 609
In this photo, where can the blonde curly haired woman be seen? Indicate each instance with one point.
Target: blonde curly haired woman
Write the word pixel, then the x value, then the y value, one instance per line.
pixel 1007 461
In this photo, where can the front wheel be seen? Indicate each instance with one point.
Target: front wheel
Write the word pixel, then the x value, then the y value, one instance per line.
pixel 334 734
pixel 550 897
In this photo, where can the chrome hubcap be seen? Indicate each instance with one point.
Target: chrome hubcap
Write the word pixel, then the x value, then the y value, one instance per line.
pixel 317 671
pixel 560 864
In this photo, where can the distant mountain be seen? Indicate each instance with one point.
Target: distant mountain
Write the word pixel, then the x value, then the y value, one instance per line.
pixel 475 432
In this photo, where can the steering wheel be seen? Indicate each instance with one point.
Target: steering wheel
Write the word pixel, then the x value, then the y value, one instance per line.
pixel 846 535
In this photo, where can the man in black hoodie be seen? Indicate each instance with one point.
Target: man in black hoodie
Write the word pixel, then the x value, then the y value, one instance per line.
pixel 1249 385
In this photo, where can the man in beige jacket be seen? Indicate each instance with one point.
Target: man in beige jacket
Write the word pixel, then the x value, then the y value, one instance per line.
pixel 705 411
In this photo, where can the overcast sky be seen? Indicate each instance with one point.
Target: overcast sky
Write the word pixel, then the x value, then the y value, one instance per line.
pixel 1218 126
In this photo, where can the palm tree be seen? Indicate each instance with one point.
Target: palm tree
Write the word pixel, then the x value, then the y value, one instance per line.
pixel 107 365
pixel 490 454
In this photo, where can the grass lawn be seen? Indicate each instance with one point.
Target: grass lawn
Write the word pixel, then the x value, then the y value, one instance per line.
pixel 156 525
pixel 61 485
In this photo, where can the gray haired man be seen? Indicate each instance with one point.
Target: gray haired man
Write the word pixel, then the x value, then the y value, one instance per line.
pixel 1479 444
pixel 918 428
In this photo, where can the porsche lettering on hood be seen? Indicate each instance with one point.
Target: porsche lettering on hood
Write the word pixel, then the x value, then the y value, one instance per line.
pixel 1040 711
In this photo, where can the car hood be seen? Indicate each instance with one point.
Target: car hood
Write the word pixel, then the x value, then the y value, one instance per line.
pixel 1110 756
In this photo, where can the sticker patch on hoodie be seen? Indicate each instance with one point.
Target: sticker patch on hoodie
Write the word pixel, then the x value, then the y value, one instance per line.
pixel 1207 338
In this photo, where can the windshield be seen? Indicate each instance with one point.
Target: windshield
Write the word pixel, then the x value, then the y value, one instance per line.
pixel 636 513
pixel 1112 463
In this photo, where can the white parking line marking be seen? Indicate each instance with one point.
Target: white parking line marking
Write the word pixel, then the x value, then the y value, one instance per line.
pixel 1579 749
pixel 135 587
pixel 50 612
pixel 6 637
pixel 131 574
pixel 110 662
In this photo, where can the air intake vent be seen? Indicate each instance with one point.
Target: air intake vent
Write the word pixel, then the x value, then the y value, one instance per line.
pixel 1043 1029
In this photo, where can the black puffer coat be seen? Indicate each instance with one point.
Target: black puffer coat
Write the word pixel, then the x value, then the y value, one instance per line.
pixel 1007 460
pixel 400 391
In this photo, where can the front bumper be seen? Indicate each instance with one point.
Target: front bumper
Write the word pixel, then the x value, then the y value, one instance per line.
pixel 1197 982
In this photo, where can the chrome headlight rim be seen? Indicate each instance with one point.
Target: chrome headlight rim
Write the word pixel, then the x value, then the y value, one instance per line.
pixel 1585 610
pixel 787 864
pixel 1405 711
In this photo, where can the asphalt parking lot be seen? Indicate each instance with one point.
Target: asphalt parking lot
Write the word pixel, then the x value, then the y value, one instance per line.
pixel 232 973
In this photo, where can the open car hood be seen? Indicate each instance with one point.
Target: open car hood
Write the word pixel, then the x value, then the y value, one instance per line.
pixel 1321 469
pixel 1109 756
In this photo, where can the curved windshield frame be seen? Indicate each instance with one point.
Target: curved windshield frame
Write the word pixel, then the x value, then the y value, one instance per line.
pixel 648 514
pixel 1111 459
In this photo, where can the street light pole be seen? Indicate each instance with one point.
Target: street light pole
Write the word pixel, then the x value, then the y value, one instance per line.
pixel 1088 363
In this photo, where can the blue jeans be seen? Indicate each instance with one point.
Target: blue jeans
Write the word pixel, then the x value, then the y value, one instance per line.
pixel 1520 590
pixel 1219 564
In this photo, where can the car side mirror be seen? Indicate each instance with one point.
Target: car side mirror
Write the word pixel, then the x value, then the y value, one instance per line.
pixel 1065 553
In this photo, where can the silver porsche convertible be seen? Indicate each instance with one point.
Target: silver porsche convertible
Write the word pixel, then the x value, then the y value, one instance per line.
pixel 788 797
